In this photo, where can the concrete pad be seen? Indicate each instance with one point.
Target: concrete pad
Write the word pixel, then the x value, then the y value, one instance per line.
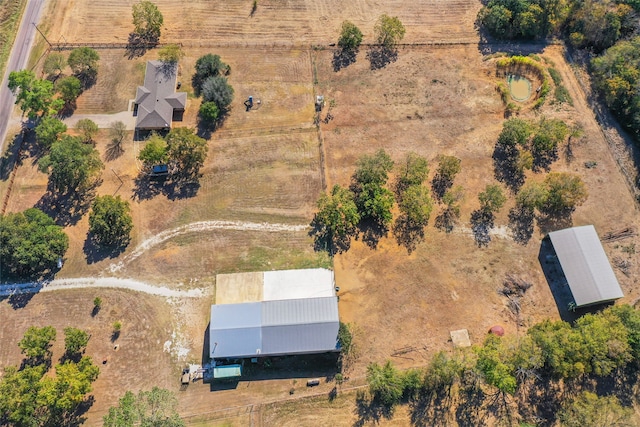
pixel 104 120
pixel 239 287
pixel 298 284
pixel 460 338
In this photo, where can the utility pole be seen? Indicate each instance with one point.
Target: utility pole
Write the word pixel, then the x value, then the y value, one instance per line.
pixel 45 39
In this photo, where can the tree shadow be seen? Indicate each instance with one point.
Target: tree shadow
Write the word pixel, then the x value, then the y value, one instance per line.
pixel 372 232
pixel 342 58
pixel 94 252
pixel 323 241
pixel 67 110
pixel 542 159
pixel 181 187
pixel 370 411
pixel 552 221
pixel 440 185
pixel 114 336
pixel 95 311
pixel 13 155
pixel 505 167
pixel 20 300
pixel 138 45
pixel 468 411
pixel 114 150
pixel 146 187
pixel 88 78
pixel 541 402
pixel 481 224
pixel 431 407
pixel 67 208
pixel 407 233
pixel 446 220
pixel 521 223
pixel 380 56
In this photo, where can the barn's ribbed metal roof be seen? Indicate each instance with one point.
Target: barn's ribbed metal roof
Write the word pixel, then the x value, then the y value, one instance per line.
pixel 295 326
pixel 585 265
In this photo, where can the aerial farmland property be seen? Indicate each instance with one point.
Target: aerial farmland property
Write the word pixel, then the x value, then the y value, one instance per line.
pixel 299 123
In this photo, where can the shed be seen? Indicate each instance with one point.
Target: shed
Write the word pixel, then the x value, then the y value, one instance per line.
pixel 274 328
pixel 157 101
pixel 585 265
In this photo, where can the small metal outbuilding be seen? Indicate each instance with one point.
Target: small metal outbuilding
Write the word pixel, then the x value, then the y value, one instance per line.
pixel 585 265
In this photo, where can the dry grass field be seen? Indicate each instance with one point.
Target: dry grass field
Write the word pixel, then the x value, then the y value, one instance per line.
pixel 269 165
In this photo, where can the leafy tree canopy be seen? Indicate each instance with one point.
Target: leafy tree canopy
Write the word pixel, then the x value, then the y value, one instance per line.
pixel 337 215
pixel 71 164
pixel 417 205
pixel 385 383
pixel 36 97
pixel 209 65
pixel 389 31
pixel 147 20
pixel 209 112
pixel 110 221
pixel 154 152
pixel 30 244
pixel 373 169
pixel 70 88
pixel 88 129
pixel 413 171
pixel 36 342
pixel 375 202
pixel 350 36
pixel 49 130
pixel 157 407
pixel 84 61
pixel 588 409
pixel 565 192
pixel 492 199
pixel 216 89
pixel 54 63
pixel 186 150
pixel 170 53
pixel 75 340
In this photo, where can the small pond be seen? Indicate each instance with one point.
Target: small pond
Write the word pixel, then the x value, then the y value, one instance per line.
pixel 520 87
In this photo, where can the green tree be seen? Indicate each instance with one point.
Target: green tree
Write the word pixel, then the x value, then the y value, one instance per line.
pixel 209 112
pixel 549 134
pixel 36 342
pixel 350 36
pixel 373 169
pixel 589 409
pixel 171 53
pixel 117 132
pixel 186 151
pixel 388 31
pixel 110 221
pixel 70 89
pixel 442 373
pixel 147 21
pixel 337 217
pixel 49 130
pixel 19 389
pixel 97 303
pixel 564 354
pixel 209 65
pixel 71 165
pixel 84 63
pixel 75 340
pixel 72 384
pixel 448 168
pixel 375 202
pixel 492 199
pixel 88 129
pixel 30 244
pixel 531 195
pixel 385 383
pixel 565 192
pixel 605 340
pixel 515 132
pixel 413 171
pixel 630 318
pixel 54 64
pixel 497 20
pixel 154 152
pixel 216 89
pixel 36 97
pixel 451 212
pixel 157 407
pixel 495 366
pixel 416 205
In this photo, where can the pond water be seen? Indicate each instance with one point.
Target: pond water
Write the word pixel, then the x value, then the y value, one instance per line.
pixel 520 87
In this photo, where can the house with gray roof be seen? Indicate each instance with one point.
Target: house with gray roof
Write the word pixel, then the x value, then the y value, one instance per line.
pixel 157 101
pixel 274 328
pixel 585 266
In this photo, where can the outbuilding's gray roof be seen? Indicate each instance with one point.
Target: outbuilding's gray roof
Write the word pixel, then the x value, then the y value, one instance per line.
pixel 296 326
pixel 585 265
pixel 157 98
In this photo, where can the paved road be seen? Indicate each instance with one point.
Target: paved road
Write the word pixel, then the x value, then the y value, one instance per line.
pixel 18 61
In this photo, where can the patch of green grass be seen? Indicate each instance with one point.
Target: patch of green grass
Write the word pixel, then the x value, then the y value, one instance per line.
pixel 260 258
pixel 562 95
pixel 555 76
pixel 10 13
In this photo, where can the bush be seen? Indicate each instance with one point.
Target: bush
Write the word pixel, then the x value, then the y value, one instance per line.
pixel 110 221
pixel 216 89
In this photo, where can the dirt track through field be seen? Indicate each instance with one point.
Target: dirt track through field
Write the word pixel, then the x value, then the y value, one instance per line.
pixel 102 282
pixel 198 227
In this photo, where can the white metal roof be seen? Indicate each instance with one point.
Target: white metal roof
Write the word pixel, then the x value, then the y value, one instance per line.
pixel 297 326
pixel 585 265
pixel 274 285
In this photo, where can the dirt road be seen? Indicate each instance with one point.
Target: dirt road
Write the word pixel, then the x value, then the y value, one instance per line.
pixel 18 61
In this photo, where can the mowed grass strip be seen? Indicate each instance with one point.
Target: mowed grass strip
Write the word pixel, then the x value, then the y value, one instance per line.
pixel 10 13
